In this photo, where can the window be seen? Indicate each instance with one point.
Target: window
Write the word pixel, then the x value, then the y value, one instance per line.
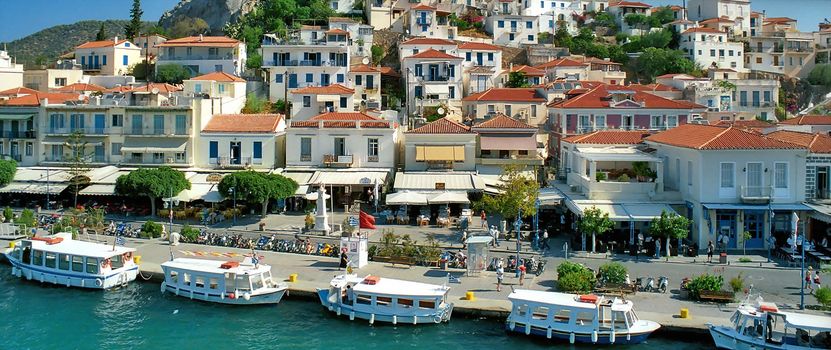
pixel 672 121
pixel 419 71
pixel 116 149
pixel 29 149
pixel 780 175
pixel 305 149
pixel 562 316
pixel 125 60
pixel 359 80
pixel 63 261
pixel 363 299
pixel 278 78
pixel 767 96
pixel 583 123
pixel 307 101
pixel 405 303
pixel 427 304
pixel 529 24
pixel 213 149
pixel 309 77
pixel 60 81
pixel 92 265
pixel 118 120
pixel 417 91
pixel 500 24
pixel 511 36
pixel 37 257
pixel 508 110
pixel 721 52
pixel 51 259
pixel 104 60
pixel 599 122
pixel 372 149
pixel 258 150
pixel 540 313
pixel 728 175
pixel 490 56
pixel 343 102
pixel 530 38
pixel 78 263
pixel 712 52
pixel 452 92
pixel 221 88
pixel 451 70
pixel 334 5
pixel 339 78
pixel 730 52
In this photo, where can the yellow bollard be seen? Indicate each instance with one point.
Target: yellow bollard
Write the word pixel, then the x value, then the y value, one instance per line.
pixel 469 296
pixel 685 313
pixel 11 245
pixel 293 278
pixel 137 259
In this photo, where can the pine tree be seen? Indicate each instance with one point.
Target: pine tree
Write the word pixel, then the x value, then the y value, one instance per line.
pixel 133 28
pixel 102 34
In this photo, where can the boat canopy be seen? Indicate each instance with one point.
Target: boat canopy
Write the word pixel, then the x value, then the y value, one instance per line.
pixel 552 298
pixel 389 286
pixel 79 248
pixel 808 322
pixel 215 266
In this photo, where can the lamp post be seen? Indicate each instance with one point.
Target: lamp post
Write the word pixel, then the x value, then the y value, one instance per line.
pixel 536 237
pixel 517 227
pixel 170 211
pixel 47 188
pixel 234 194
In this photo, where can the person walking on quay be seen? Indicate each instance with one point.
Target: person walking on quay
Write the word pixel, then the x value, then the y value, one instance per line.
pixel 343 259
pixel 657 248
pixel 495 234
pixel 710 249
pixel 809 282
pixel 500 275
pixel 565 250
pixel 521 274
pixel 816 279
pixel 544 245
pixel 464 239
pixel 484 218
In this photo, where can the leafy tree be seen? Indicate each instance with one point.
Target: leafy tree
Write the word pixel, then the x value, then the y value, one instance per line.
pixel 820 75
pixel 254 61
pixel 668 226
pixel 377 54
pixel 102 34
pixel 132 29
pixel 562 38
pixel 654 62
pixel 660 17
pixel 77 160
pixel 517 80
pixel 8 167
pixel 142 71
pixel 256 187
pixel 636 20
pixel 172 73
pixel 574 277
pixel 519 194
pixel 153 183
pixel 613 272
pixel 596 222
pixel 189 26
pixel 605 19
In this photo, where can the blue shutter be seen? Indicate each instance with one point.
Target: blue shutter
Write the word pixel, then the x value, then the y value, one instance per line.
pixel 258 149
pixel 104 60
pixel 501 24
pixel 213 149
pixel 292 81
pixel 359 79
pixel 452 70
pixel 452 92
pixel 278 78
pixel 467 56
pixel 340 78
pixel 343 102
pixel 417 91
pixel 124 60
pixel 309 77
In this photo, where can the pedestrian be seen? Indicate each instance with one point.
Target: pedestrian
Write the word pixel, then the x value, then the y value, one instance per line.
pixel 725 240
pixel 657 248
pixel 544 243
pixel 521 274
pixel 464 239
pixel 500 275
pixel 816 279
pixel 565 250
pixel 495 235
pixel 484 218
pixel 710 252
pixel 809 282
pixel 344 261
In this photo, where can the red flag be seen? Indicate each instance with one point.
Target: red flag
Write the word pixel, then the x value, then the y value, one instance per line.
pixel 366 221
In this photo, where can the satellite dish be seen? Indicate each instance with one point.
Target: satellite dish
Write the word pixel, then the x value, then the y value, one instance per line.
pixel 440 111
pixel 365 60
pixel 155 90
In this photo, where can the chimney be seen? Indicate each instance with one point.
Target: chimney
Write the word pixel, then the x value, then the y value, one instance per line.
pixel 115 40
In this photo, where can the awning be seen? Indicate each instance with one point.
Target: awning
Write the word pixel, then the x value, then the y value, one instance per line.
pixel 436 89
pixel 342 178
pixel 429 181
pixel 183 196
pixel 550 197
pixel 301 190
pixel 447 198
pixel 99 190
pixel 738 206
pixel 508 143
pixel 154 145
pixel 440 153
pixel 627 212
pixel 213 197
pixel 34 187
pixel 17 116
pixel 301 178
pixel 406 198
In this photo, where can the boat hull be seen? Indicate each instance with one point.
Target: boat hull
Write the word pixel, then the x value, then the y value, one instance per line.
pixel 113 279
pixel 726 338
pixel 413 319
pixel 268 296
pixel 586 338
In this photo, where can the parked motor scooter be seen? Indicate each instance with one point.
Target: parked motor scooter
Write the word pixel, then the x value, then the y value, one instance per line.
pixel 663 282
pixel 650 284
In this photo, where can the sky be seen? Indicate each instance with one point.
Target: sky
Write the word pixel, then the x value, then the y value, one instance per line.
pixel 19 18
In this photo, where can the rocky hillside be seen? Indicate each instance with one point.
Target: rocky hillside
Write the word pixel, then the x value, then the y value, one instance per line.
pixel 215 12
pixel 46 45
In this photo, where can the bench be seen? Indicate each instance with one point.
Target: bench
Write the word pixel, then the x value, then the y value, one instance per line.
pixel 393 260
pixel 718 296
pixel 617 289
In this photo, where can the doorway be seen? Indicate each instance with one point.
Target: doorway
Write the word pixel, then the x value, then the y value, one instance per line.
pixel 340 146
pixel 235 151
pixel 822 183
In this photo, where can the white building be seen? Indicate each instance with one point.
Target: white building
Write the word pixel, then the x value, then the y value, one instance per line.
pixel 482 66
pixel 737 11
pixel 424 20
pixel 367 85
pixel 250 141
pixel 710 48
pixel 108 57
pixel 621 9
pixel 441 145
pixel 564 68
pixel 533 76
pixel 415 45
pixel 551 13
pixel 733 181
pixel 295 64
pixel 311 101
pixel 11 73
pixel 204 54
pixel 45 80
pixel 386 14
pixel 360 35
pixel 512 30
pixel 523 104
pixel 779 49
pixel 149 45
pixel 229 89
pixel 433 79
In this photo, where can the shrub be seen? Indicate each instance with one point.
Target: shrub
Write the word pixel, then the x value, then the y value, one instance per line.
pixel 8 168
pixel 745 260
pixel 705 282
pixel 189 234
pixel 737 283
pixel 27 217
pixel 623 178
pixel 573 277
pixel 8 214
pixel 613 272
pixel 823 296
pixel 172 73
pixel 151 229
pixel 599 176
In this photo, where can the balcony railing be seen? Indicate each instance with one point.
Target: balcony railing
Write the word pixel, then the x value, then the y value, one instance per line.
pixel 229 162
pixel 156 132
pixel 85 131
pixel 439 165
pixel 304 63
pixel 91 67
pixel 756 194
pixel 335 160
pixel 514 30
pixel 154 160
pixel 424 21
pixel 195 57
pixel 437 77
pixel 68 159
pixel 19 134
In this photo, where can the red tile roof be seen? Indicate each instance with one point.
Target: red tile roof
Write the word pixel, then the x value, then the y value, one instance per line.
pixel 18 91
pixel 120 89
pixel 746 124
pixel 423 7
pixel 502 121
pixel 442 126
pixel 507 94
pixel 528 70
pixel 707 137
pixel 161 87
pixel 609 137
pixel 674 75
pixel 816 143
pixel 779 20
pixel 342 120
pixel 34 99
pixel 99 44
pixel 243 123
pixel 389 71
pixel 808 120
pixel 598 98
pixel 80 87
pixel 561 62
pixel 652 87
pixel 334 89
pixel 754 14
pixel 722 19
pixel 703 30
pixel 478 46
pixel 631 4
pixel 428 41
pixel 362 68
pixel 337 31
pixel 206 41
pixel 431 53
pixel 219 76
pixel 596 60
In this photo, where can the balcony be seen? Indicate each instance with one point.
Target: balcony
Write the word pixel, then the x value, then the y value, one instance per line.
pixel 304 63
pixel 514 30
pixel 84 131
pixel 18 134
pixel 156 132
pixel 631 190
pixel 154 160
pixel 331 160
pixel 436 77
pixel 424 21
pixel 801 49
pixel 439 165
pixel 513 159
pixel 68 159
pixel 234 162
pixel 228 56
pixel 756 194
pixel 91 67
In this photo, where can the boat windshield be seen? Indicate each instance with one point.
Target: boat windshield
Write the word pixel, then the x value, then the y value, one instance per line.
pixel 242 283
pixel 257 281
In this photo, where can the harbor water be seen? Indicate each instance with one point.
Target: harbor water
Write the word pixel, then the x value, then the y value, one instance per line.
pixel 138 316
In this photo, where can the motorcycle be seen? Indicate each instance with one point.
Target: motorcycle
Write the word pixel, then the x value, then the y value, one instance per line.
pixel 650 284
pixel 663 282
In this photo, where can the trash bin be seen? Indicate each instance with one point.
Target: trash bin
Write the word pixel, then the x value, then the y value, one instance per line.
pixel 722 258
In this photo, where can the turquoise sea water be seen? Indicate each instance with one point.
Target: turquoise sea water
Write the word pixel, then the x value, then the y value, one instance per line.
pixel 140 317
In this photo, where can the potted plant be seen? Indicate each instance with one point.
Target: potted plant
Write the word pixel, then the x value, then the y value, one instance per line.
pixel 641 170
pixel 623 178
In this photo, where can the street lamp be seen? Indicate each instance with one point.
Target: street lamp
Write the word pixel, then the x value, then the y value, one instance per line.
pixel 536 237
pixel 170 211
pixel 517 227
pixel 234 194
pixel 47 188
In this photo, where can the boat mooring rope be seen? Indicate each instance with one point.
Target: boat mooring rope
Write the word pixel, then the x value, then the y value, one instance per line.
pixel 146 278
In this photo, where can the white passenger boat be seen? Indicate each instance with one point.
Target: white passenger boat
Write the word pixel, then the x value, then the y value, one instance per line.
pixel 225 282
pixel 58 259
pixel 386 300
pixel 577 318
pixel 763 326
